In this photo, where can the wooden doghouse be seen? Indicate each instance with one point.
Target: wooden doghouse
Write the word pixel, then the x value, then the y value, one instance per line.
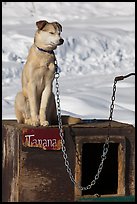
pixel 34 170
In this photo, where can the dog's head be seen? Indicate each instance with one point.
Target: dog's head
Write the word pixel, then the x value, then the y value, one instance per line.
pixel 48 35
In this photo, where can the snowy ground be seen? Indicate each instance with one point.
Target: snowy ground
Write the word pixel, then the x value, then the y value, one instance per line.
pixel 99 45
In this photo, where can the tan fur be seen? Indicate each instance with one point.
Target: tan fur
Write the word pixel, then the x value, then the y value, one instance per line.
pixel 35 104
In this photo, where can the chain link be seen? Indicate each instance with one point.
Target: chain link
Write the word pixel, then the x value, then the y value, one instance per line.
pixel 65 156
pixel 105 146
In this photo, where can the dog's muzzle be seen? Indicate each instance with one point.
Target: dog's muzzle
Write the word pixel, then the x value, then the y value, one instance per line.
pixel 61 41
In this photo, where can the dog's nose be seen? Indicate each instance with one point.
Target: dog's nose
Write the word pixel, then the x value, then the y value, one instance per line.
pixel 61 41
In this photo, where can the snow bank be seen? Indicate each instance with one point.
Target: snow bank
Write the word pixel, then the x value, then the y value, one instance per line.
pixel 99 45
pixel 24 12
pixel 91 52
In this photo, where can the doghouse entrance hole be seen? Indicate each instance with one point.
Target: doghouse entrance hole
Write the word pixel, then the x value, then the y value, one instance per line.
pixel 108 179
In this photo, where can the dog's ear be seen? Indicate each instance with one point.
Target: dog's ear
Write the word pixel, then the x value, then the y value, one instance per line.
pixel 41 24
pixel 59 26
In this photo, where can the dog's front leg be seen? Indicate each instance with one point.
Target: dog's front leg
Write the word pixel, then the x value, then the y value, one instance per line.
pixel 32 95
pixel 44 104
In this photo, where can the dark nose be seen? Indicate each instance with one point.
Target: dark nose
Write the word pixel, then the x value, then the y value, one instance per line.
pixel 61 41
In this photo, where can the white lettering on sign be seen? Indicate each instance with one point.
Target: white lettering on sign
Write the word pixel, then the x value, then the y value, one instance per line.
pixel 28 138
pixel 39 142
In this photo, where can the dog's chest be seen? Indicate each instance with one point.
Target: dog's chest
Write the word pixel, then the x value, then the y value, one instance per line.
pixel 44 73
pixel 47 65
pixel 46 69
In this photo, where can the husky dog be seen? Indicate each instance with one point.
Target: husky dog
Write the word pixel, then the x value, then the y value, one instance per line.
pixel 35 104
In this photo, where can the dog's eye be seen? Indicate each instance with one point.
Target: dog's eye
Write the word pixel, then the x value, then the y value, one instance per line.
pixel 51 33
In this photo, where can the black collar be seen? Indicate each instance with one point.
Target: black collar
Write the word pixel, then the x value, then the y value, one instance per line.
pixel 48 51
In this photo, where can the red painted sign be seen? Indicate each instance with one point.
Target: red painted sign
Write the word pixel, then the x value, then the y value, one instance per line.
pixel 45 138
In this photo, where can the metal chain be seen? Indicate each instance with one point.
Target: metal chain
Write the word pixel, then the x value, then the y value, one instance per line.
pixel 105 146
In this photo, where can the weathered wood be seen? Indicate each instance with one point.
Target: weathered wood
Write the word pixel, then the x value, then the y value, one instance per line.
pixel 37 175
pixel 10 164
pixel 121 161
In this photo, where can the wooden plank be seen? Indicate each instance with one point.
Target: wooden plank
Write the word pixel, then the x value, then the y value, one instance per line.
pixel 10 167
pixel 110 198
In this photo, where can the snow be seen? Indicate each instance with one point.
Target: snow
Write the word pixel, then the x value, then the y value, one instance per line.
pixel 99 45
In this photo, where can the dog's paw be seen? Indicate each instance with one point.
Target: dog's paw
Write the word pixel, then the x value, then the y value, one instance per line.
pixel 44 123
pixel 28 121
pixel 35 122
